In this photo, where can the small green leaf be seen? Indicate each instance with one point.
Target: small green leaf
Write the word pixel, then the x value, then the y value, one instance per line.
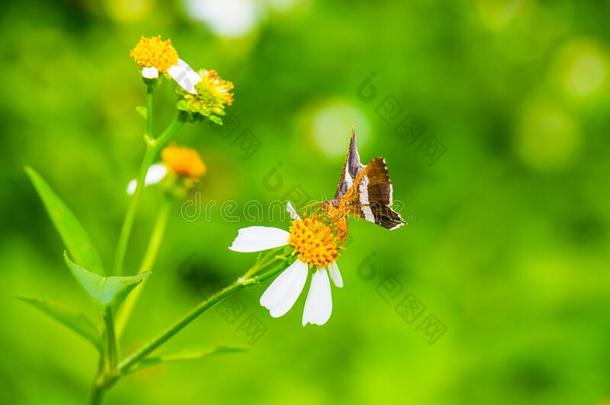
pixel 215 119
pixel 71 231
pixel 105 290
pixel 74 320
pixel 143 111
pixel 184 355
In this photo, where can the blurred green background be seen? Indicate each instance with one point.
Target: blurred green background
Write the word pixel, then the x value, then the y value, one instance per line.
pixel 508 245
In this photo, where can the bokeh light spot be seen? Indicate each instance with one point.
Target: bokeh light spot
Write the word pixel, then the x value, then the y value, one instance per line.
pixel 496 14
pixel 582 67
pixel 285 5
pixel 331 124
pixel 128 10
pixel 226 18
pixel 548 137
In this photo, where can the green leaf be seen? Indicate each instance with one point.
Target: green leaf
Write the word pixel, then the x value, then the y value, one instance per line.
pixel 74 320
pixel 215 119
pixel 184 355
pixel 71 231
pixel 143 111
pixel 104 290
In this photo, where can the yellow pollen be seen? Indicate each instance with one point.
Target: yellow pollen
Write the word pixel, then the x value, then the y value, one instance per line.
pixel 314 241
pixel 154 52
pixel 216 87
pixel 183 161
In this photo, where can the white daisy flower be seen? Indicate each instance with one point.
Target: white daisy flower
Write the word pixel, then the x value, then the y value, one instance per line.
pixel 317 248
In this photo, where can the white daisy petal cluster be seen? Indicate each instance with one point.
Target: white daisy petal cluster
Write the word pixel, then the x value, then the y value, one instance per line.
pixel 283 292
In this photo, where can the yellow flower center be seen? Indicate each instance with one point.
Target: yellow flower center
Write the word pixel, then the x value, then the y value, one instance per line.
pixel 154 52
pixel 183 161
pixel 314 241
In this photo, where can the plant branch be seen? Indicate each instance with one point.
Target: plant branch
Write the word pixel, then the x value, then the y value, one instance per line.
pixel 150 89
pixel 153 147
pixel 97 394
pixel 241 283
pixel 111 348
pixel 150 256
pixel 106 378
pixel 153 344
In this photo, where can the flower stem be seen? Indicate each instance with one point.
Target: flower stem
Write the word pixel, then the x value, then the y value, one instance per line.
pixel 97 394
pixel 153 147
pixel 156 238
pixel 111 349
pixel 153 344
pixel 106 378
pixel 101 384
pixel 150 256
pixel 179 325
pixel 150 89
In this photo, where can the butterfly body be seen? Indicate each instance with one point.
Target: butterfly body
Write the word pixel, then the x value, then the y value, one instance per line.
pixel 364 192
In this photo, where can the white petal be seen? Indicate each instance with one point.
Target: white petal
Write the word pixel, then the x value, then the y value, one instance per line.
pixel 131 186
pixel 292 211
pixel 257 238
pixel 335 274
pixel 155 174
pixel 319 304
pixel 185 76
pixel 281 295
pixel 150 72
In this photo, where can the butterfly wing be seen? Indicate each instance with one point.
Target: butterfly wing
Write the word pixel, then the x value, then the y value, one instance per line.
pixel 370 196
pixel 351 168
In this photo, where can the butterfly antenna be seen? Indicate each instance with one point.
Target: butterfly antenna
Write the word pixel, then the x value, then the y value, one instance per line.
pixel 310 205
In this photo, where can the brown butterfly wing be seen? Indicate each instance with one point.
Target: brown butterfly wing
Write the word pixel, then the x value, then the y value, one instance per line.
pixel 351 168
pixel 370 196
pixel 379 183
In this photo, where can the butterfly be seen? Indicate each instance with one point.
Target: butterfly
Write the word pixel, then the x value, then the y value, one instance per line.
pixel 364 192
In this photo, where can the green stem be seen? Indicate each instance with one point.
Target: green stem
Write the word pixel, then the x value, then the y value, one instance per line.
pixel 111 341
pixel 102 383
pixel 156 238
pixel 147 263
pixel 153 147
pixel 107 378
pixel 149 347
pixel 269 270
pixel 97 394
pixel 259 264
pixel 153 344
pixel 150 89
